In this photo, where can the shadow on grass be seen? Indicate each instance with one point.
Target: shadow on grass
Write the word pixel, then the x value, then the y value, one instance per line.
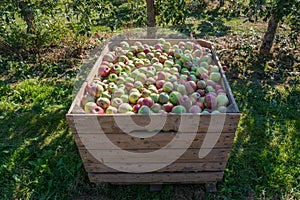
pixel 264 161
pixel 39 159
pixel 206 27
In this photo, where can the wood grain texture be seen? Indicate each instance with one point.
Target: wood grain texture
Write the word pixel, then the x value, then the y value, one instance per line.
pixel 155 178
pixel 173 167
pixel 127 142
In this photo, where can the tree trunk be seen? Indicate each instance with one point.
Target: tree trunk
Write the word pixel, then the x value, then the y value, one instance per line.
pixel 150 19
pixel 222 3
pixel 268 40
pixel 27 15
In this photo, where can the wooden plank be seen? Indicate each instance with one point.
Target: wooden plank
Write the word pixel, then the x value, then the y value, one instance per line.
pixel 173 167
pixel 129 123
pixel 156 178
pixel 190 155
pixel 124 141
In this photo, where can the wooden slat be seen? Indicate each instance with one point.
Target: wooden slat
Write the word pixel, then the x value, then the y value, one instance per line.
pixel 124 141
pixel 159 178
pixel 174 167
pixel 190 155
pixel 128 123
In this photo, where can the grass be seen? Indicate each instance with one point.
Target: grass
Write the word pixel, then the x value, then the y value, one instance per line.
pixel 39 158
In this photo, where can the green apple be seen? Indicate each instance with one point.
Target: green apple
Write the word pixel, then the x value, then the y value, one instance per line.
pixel 116 102
pixel 111 110
pixel 215 76
pixel 163 98
pixel 178 109
pixel 134 96
pixel 125 108
pixel 222 100
pixel 174 97
pixel 144 110
pixel 88 106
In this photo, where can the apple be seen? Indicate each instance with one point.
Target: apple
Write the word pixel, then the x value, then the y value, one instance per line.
pixel 156 107
pixel 204 65
pixel 106 94
pixel 141 55
pixel 108 57
pixel 125 108
pixel 181 88
pixel 88 106
pixel 136 107
pixel 96 110
pixel 200 104
pixel 222 100
pixel 150 81
pixel 178 109
pixel 154 97
pixel 163 98
pixel 112 77
pixel 198 53
pixel 206 58
pixel 103 71
pixel 133 49
pixel 168 87
pixel 124 45
pixel 195 109
pixel 210 101
pixel 133 97
pixel 118 92
pixel 145 92
pixel 148 101
pixel 152 88
pixel 201 70
pixel 111 110
pixel 215 76
pixel 214 68
pixel 204 76
pixel 185 101
pixel 138 85
pixel 87 98
pixel 128 86
pixel 160 83
pixel 95 90
pixel 141 77
pixel 222 109
pixel 112 87
pixel 196 96
pixel 210 88
pixel 174 97
pixel 190 86
pixel 168 63
pixel 103 102
pixel 123 58
pixel 144 110
pixel 154 60
pixel 168 107
pixel 201 92
pixel 201 84
pixel 116 102
pixel 161 75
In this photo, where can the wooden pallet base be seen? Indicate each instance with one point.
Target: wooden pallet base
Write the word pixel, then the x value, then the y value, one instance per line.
pixel 156 178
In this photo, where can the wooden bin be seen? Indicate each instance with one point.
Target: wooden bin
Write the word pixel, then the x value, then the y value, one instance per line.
pixel 188 168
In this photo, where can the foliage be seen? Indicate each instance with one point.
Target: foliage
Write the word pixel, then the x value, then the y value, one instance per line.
pixel 171 11
pixel 286 11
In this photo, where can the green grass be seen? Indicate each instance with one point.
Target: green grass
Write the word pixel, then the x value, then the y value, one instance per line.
pixel 39 158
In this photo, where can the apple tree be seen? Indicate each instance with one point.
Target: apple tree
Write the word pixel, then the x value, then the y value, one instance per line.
pixel 276 12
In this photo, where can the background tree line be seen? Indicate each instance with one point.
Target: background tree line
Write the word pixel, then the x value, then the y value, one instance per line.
pixel 27 25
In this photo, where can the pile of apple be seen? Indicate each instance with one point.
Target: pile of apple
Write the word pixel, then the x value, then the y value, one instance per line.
pixel 160 78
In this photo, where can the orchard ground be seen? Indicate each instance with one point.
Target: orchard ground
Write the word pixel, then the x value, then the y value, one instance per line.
pixel 39 158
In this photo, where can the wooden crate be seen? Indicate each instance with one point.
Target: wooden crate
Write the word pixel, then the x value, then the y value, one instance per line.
pixel 91 131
